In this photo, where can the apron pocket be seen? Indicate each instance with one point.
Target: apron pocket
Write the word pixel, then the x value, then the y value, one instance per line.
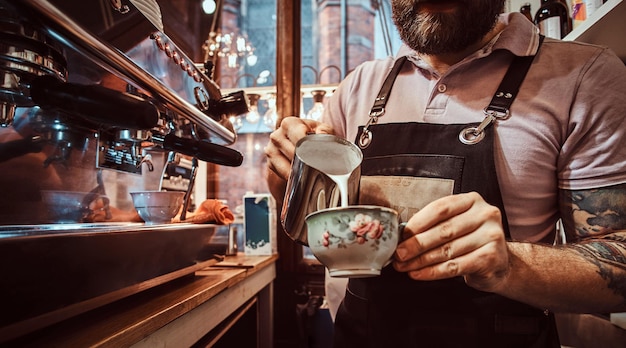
pixel 407 183
pixel 418 165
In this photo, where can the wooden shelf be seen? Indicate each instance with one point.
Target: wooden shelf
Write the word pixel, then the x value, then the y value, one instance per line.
pixel 606 26
pixel 177 313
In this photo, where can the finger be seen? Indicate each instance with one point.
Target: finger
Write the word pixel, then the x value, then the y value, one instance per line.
pixel 295 128
pixel 444 270
pixel 290 131
pixel 433 256
pixel 482 221
pixel 441 210
pixel 481 263
pixel 435 212
pixel 435 237
pixel 320 128
pixel 277 161
pixel 281 147
pixel 480 256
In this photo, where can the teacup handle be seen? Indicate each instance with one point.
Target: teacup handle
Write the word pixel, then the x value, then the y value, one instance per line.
pixel 401 227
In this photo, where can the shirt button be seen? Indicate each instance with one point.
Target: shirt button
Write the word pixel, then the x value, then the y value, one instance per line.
pixel 442 88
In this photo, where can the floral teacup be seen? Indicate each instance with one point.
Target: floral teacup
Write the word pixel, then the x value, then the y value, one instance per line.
pixel 353 241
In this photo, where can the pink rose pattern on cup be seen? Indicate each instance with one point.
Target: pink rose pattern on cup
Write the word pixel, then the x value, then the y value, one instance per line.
pixel 363 228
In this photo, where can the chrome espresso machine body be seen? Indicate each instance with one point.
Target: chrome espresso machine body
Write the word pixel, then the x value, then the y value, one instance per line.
pixel 80 115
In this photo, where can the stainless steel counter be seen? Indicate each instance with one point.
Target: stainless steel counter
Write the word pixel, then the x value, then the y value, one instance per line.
pixel 52 272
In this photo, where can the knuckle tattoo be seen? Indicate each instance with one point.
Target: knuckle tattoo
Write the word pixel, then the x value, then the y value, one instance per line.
pixel 446 231
pixel 452 267
pixel 446 250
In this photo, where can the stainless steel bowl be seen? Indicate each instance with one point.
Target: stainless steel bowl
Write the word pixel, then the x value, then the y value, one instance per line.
pixel 156 207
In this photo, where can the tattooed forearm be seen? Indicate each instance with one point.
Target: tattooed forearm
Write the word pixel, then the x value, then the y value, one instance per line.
pixel 609 255
pixel 610 250
pixel 595 212
pixel 595 227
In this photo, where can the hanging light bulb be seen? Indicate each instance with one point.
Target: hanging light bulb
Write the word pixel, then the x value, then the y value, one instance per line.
pixel 253 116
pixel 252 59
pixel 318 105
pixel 264 77
pixel 232 61
pixel 241 44
pixel 270 117
pixel 209 6
pixel 236 121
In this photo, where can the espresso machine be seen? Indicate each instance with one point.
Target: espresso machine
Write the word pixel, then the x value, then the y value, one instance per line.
pixel 79 114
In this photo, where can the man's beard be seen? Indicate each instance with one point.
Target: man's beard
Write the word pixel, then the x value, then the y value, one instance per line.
pixel 445 32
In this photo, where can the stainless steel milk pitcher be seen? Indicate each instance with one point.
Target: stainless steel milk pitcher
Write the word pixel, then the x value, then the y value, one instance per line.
pixel 324 165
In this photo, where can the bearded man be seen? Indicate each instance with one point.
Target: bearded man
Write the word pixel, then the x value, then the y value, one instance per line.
pixel 519 132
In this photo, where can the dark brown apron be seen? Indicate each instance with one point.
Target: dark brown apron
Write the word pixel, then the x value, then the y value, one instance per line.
pixel 402 160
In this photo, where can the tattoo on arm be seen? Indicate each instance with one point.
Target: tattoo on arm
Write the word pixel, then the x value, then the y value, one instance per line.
pixel 609 255
pixel 595 221
pixel 595 212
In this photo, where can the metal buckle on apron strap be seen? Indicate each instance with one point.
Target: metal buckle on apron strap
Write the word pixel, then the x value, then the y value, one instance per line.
pixel 473 135
pixel 381 100
pixel 498 108
pixel 366 136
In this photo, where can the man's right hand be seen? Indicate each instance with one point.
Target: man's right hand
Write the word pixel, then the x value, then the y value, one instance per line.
pixel 281 148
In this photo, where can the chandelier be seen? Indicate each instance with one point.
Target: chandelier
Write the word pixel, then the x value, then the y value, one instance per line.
pixel 232 46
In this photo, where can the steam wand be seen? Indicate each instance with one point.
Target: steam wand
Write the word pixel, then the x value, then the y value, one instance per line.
pixel 192 179
pixel 171 158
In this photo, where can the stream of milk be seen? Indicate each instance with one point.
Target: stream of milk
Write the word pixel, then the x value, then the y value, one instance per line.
pixel 342 184
pixel 336 160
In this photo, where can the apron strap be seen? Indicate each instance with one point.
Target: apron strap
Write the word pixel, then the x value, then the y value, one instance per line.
pixel 378 109
pixel 498 108
pixel 381 99
pixel 509 87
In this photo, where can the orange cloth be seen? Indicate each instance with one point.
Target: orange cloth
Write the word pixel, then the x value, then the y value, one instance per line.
pixel 209 211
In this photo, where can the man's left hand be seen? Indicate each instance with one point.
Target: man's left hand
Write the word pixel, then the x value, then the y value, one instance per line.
pixel 457 235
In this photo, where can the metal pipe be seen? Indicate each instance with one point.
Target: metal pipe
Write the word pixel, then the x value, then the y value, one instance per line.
pixel 344 42
pixel 67 31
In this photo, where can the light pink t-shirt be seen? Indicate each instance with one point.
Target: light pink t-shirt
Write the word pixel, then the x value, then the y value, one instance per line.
pixel 567 128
